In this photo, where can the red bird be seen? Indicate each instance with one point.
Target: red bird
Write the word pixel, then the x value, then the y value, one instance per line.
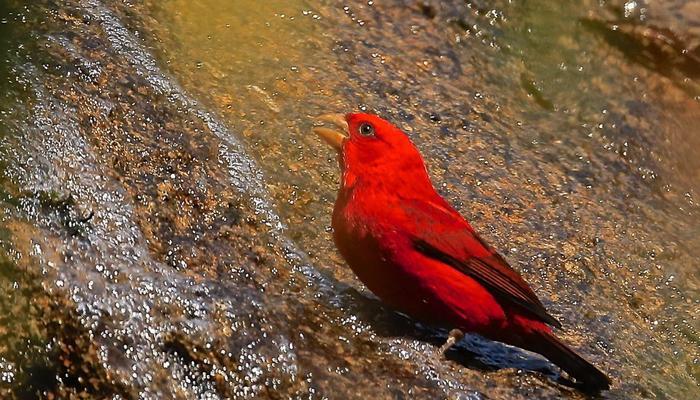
pixel 420 256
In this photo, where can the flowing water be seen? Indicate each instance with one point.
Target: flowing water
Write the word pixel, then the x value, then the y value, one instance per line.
pixel 166 212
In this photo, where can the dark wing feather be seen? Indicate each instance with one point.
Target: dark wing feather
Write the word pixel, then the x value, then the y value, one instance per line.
pixel 502 286
pixel 452 241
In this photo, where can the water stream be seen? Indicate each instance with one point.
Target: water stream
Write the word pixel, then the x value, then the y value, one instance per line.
pixel 166 212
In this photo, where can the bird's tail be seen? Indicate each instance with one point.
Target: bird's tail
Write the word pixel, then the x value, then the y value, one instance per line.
pixel 589 378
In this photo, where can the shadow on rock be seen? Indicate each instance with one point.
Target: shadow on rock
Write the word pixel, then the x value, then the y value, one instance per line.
pixel 656 48
pixel 473 351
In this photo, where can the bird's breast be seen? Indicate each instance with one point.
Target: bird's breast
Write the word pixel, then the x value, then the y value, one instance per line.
pixel 386 262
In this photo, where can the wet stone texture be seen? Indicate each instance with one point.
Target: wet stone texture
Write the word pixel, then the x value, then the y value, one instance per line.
pixel 174 270
pixel 166 211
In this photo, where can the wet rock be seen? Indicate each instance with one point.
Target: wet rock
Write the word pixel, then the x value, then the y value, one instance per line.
pixel 205 266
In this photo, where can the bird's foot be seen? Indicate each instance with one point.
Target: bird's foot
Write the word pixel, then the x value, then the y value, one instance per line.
pixel 455 336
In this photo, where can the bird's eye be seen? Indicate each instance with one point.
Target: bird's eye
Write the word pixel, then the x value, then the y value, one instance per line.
pixel 366 129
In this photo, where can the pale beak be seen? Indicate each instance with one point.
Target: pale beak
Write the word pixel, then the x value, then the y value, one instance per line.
pixel 333 137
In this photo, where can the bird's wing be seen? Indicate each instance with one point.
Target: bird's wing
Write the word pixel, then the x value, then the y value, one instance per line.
pixel 452 241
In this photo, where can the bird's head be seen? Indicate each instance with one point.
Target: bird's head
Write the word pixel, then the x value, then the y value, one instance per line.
pixel 373 151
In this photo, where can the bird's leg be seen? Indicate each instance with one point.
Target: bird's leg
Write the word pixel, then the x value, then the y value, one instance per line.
pixel 455 336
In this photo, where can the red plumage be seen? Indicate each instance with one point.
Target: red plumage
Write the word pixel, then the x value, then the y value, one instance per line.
pixel 420 256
